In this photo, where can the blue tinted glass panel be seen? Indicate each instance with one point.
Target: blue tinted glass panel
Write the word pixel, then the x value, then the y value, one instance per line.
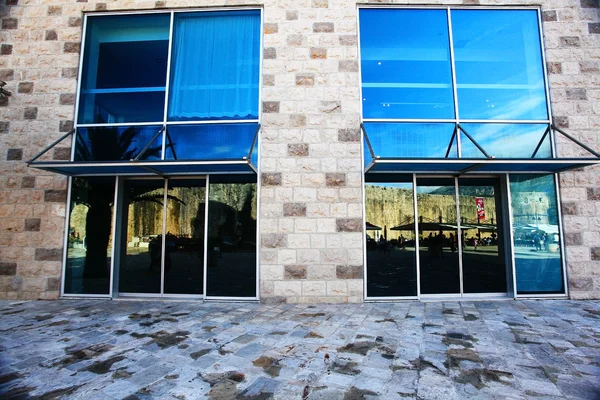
pixel 117 143
pixel 215 66
pixel 421 166
pixel 368 156
pixel 499 71
pixel 411 140
pixel 536 234
pixel 506 140
pixel 124 69
pixel 88 265
pixel 405 64
pixel 210 141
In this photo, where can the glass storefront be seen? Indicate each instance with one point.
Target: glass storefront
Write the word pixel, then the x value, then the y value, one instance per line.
pixel 161 234
pixel 90 242
pixel 231 268
pixel 536 239
pixel 463 246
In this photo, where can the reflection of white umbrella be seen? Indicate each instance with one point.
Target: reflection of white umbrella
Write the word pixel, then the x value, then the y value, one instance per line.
pixel 545 227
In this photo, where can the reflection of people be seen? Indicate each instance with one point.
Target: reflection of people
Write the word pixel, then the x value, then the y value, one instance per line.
pixel 537 241
pixel 452 243
pixel 441 239
pixel 383 244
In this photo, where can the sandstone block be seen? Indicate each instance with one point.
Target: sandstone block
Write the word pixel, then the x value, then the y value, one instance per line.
pixel 295 272
pixel 287 288
pixel 349 271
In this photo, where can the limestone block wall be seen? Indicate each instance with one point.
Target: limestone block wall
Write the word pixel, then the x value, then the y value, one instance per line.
pixel 311 199
pixel 572 41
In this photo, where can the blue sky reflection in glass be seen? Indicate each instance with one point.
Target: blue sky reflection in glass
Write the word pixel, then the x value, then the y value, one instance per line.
pixel 411 140
pixel 405 64
pixel 211 141
pixel 499 70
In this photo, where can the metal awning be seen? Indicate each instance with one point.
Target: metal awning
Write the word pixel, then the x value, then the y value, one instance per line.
pixel 161 168
pixel 485 165
pixel 149 167
pixel 461 166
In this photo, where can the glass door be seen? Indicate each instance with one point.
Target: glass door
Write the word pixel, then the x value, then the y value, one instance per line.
pixel 231 252
pixel 461 236
pixel 437 224
pixel 162 237
pixel 483 244
pixel 140 269
pixel 390 237
pixel 184 247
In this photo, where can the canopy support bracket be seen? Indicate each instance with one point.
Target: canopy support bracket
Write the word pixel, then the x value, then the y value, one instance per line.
pixel 63 137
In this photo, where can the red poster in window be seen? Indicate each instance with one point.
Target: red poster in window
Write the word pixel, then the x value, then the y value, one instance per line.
pixel 480 208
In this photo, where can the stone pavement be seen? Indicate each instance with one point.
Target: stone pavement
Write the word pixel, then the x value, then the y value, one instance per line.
pixel 96 349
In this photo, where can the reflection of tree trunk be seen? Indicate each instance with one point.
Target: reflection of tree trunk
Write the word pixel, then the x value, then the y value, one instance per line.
pixel 97 227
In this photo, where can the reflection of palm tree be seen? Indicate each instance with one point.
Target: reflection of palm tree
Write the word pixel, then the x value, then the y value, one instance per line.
pixel 108 144
pixel 104 144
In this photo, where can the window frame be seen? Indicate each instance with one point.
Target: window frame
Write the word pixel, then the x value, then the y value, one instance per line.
pixel 457 120
pixel 165 122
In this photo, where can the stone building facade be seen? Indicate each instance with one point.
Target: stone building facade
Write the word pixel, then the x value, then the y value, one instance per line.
pixel 311 174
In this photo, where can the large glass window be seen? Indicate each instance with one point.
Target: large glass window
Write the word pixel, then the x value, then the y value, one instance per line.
pixel 215 66
pixel 196 74
pixel 390 236
pixel 405 64
pixel 231 258
pixel 499 70
pixel 536 234
pixel 124 69
pixel 496 94
pixel 90 241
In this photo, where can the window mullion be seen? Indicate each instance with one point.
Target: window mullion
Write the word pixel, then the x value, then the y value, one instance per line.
pixel 453 68
pixel 167 84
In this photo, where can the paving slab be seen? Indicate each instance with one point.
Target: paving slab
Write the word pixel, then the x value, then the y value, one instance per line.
pixel 134 350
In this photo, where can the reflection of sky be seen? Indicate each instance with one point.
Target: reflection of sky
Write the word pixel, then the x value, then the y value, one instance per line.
pixel 406 72
pixel 211 141
pixel 422 140
pixel 405 64
pixel 429 189
pixel 505 140
pixel 410 139
pixel 498 64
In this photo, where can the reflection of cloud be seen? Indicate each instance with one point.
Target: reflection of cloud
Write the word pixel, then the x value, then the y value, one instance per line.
pixel 222 149
pixel 520 106
pixel 410 139
pixel 505 140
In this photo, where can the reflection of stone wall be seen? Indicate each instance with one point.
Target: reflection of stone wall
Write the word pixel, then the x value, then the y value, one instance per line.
pixel 145 216
pixel 532 208
pixel 185 211
pixel 78 217
pixel 389 207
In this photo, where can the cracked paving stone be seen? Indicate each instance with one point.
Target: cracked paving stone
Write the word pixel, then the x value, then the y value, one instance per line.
pixel 97 349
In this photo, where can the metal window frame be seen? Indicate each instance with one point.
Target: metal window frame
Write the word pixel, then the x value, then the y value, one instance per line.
pixel 171 13
pixel 113 230
pixel 113 292
pixel 510 266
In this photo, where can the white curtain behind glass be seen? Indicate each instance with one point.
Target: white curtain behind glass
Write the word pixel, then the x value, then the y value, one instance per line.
pixel 215 66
